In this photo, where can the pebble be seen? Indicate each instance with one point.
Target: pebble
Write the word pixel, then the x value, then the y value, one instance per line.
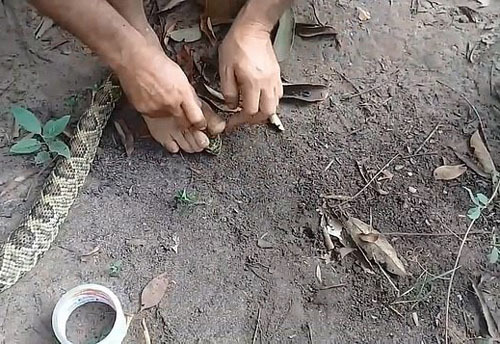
pixel 412 190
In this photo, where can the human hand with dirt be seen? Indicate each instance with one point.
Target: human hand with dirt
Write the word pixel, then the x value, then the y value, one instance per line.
pixel 248 66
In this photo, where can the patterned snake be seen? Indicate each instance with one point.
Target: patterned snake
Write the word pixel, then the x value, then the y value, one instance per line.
pixel 38 230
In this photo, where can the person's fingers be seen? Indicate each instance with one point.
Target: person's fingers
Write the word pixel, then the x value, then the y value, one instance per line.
pixel 196 144
pixel 201 139
pixel 182 142
pixel 170 145
pixel 193 112
pixel 215 124
pixel 250 100
pixel 279 89
pixel 229 86
pixel 268 102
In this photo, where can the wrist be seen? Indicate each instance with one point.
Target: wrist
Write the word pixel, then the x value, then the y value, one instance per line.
pixel 121 56
pixel 261 16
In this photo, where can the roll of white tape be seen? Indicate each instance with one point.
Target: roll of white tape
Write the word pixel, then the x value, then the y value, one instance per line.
pixel 81 295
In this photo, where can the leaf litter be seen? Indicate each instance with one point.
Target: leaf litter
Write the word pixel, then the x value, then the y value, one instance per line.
pixel 482 154
pixel 449 172
pixel 377 247
pixel 154 291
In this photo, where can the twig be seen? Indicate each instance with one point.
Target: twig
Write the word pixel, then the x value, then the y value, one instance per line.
pixel 488 317
pixel 256 274
pixel 147 337
pixel 257 327
pixel 310 333
pixel 333 286
pixel 457 260
pixel 350 96
pixel 427 139
pixel 388 278
pixel 431 234
pixel 313 4
pixel 419 154
pixel 343 76
pixel 371 180
pixel 468 102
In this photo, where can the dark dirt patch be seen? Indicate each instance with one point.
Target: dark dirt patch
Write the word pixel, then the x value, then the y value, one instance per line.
pixel 265 182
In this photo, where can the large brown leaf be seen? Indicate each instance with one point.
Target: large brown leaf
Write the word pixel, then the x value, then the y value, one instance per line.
pixel 375 245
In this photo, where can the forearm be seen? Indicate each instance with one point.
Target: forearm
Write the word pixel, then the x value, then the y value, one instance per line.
pixel 97 24
pixel 264 13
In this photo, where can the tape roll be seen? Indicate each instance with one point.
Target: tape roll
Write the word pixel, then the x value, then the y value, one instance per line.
pixel 81 295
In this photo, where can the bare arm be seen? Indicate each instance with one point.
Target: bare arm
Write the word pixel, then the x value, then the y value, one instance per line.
pixel 97 24
pixel 263 13
pixel 154 84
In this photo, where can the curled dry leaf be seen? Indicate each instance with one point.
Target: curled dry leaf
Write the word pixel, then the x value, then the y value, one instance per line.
pixel 188 35
pixel 344 251
pixel 380 250
pixel 449 172
pixel 363 14
pixel 370 237
pixel 214 93
pixel 45 24
pixel 318 274
pixel 482 154
pixel 207 28
pixel 154 291
pixel 171 4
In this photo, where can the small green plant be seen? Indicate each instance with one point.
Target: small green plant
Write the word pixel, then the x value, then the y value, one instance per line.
pixel 480 202
pixel 115 268
pixel 185 198
pixel 494 255
pixel 40 139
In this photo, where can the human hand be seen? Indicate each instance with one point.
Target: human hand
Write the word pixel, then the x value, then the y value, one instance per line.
pixel 157 87
pixel 248 67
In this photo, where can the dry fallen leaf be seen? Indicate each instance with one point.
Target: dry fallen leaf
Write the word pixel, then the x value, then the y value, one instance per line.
pixel 154 291
pixel 167 30
pixel 214 93
pixel 207 29
pixel 171 4
pixel 481 153
pixel 363 14
pixel 381 250
pixel 318 274
pixel 344 251
pixel 493 329
pixel 370 237
pixel 188 35
pixel 483 3
pixel 449 172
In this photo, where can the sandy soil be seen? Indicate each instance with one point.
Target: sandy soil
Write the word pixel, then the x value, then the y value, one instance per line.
pixel 268 183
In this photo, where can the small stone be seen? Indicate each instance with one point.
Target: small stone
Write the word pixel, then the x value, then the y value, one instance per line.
pixel 399 167
pixel 410 174
pixel 412 190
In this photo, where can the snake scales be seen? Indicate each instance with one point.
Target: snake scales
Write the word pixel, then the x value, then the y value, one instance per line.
pixel 37 231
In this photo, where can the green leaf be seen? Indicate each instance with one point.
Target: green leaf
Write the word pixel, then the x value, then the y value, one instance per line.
pixel 26 146
pixel 55 127
pixel 59 147
pixel 42 158
pixel 493 256
pixel 27 120
pixel 474 213
pixel 471 195
pixel 482 199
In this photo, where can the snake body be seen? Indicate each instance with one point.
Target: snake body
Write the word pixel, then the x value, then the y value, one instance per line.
pixel 39 228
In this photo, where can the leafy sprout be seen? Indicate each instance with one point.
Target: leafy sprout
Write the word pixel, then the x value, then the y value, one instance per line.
pixel 41 140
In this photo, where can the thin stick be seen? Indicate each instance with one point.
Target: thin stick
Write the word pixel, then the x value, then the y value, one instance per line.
pixel 420 154
pixel 467 100
pixel 333 286
pixel 457 260
pixel 147 337
pixel 343 76
pixel 350 96
pixel 427 139
pixel 388 278
pixel 432 234
pixel 316 13
pixel 310 333
pixel 257 326
pixel 371 180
